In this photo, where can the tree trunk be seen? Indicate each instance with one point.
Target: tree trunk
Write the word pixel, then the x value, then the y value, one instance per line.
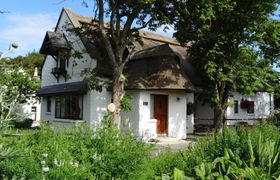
pixel 118 94
pixel 219 117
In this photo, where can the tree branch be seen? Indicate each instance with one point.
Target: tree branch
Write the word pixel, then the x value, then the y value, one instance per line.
pixel 104 35
pixel 127 26
pixel 112 20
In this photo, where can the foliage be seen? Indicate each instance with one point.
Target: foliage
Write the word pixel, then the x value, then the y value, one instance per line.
pixel 27 63
pixel 275 117
pixel 125 103
pixel 17 84
pixel 162 165
pixel 75 153
pixel 8 115
pixel 16 87
pixel 235 154
pixel 233 44
pixel 26 123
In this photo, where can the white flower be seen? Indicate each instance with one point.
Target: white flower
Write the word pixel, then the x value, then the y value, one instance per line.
pixel 45 155
pixel 43 162
pixel 94 156
pixel 45 169
pixel 76 164
pixel 55 162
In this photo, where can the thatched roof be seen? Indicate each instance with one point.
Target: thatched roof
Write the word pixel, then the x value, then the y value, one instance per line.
pixel 157 62
pixel 159 67
pixel 148 39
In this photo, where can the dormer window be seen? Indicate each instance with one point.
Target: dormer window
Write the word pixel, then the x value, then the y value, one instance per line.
pixel 56 45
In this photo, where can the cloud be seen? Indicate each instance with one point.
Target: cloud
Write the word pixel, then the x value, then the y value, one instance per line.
pixel 27 30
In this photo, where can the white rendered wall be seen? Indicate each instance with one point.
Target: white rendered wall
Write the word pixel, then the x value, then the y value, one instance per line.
pixel 74 70
pixel 47 78
pixel 263 105
pixel 176 113
pixel 190 118
pixel 130 120
pixel 76 65
pixel 96 106
pixel 26 109
pixel 177 120
pixel 203 110
pixel 47 116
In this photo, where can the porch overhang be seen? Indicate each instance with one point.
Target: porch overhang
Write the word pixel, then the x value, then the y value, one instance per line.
pixel 63 89
pixel 53 43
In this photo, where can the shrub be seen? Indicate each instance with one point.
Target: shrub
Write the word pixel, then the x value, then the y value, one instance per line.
pixel 238 152
pixel 275 118
pixel 163 164
pixel 25 124
pixel 76 153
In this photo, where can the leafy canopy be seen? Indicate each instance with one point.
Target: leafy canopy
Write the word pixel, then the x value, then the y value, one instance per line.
pixel 233 43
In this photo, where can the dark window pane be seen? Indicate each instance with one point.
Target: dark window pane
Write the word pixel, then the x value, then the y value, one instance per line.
pixel 69 107
pixel 236 107
pixel 49 104
pixel 251 108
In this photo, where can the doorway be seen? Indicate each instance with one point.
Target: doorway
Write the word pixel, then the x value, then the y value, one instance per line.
pixel 161 113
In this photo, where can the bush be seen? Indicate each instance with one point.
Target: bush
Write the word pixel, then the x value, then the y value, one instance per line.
pixel 275 117
pixel 76 153
pixel 25 124
pixel 238 152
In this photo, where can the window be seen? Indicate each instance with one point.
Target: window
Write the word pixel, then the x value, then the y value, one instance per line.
pixel 235 106
pixel 250 108
pixel 69 107
pixel 33 109
pixel 49 104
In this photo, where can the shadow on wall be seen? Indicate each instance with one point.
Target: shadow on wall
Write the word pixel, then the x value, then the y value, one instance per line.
pixel 129 125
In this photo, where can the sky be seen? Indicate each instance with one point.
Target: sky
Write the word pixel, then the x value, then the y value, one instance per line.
pixel 27 21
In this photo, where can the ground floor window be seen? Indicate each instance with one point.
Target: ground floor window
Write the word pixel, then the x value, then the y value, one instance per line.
pixel 250 108
pixel 69 107
pixel 235 107
pixel 49 104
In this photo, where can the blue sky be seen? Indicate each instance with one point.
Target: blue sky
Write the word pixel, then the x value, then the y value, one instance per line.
pixel 28 20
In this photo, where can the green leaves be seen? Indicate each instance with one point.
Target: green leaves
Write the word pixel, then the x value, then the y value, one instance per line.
pixel 231 43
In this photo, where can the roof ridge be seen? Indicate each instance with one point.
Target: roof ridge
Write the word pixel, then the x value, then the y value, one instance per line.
pixel 144 34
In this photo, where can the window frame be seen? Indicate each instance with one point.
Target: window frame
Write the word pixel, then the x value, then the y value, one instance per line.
pixel 59 102
pixel 49 105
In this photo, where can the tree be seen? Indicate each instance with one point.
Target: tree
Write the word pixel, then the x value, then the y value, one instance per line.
pixel 115 38
pixel 17 83
pixel 233 43
pixel 27 63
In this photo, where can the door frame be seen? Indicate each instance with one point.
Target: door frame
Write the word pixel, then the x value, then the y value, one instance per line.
pixel 167 112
